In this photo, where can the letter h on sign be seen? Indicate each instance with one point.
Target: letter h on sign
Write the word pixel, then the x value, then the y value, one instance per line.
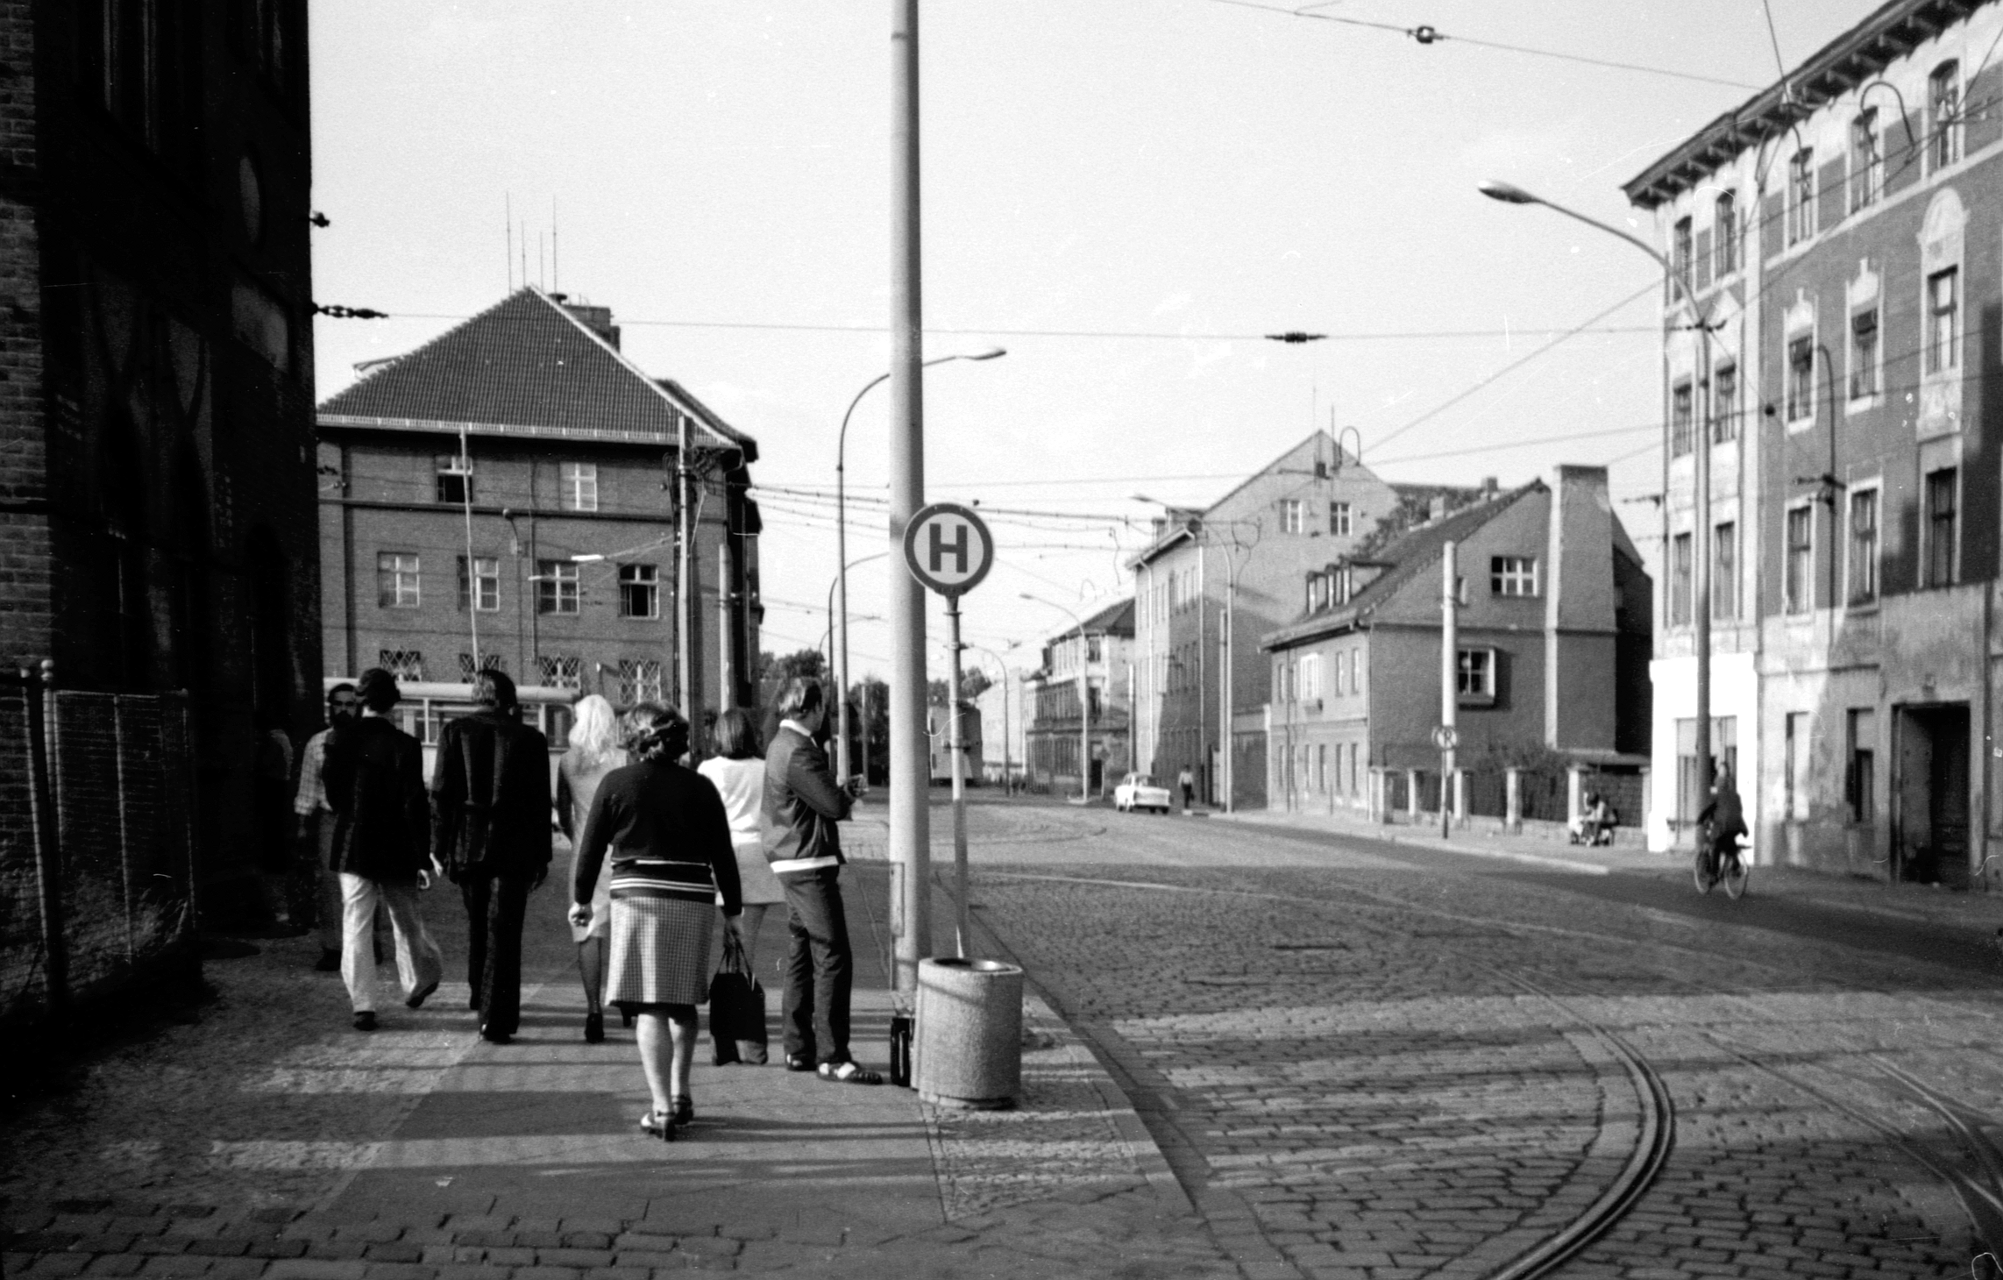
pixel 957 548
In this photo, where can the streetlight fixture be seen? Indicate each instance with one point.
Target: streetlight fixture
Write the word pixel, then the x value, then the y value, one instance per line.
pixel 1084 704
pixel 1002 664
pixel 841 546
pixel 1700 587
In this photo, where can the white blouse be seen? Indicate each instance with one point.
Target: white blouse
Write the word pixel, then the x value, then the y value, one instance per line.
pixel 741 783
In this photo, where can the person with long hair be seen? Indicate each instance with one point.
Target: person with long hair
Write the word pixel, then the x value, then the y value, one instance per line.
pixel 738 772
pixel 665 831
pixel 594 753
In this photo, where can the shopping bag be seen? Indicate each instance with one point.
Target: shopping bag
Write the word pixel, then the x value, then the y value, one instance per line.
pixel 736 1009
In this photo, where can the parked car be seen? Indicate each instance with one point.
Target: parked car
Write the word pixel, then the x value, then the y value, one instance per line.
pixel 1138 791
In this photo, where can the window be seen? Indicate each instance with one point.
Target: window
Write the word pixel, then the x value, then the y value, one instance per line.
pixel 1512 575
pixel 1290 515
pixel 1725 404
pixel 1335 675
pixel 639 680
pixel 639 591
pixel 580 486
pixel 1863 567
pixel 1680 442
pixel 1866 164
pixel 1477 673
pixel 1940 526
pixel 1798 580
pixel 1796 767
pixel 1725 571
pixel 1860 775
pixel 1095 648
pixel 488 662
pixel 1311 678
pixel 556 587
pixel 1801 197
pixel 1690 796
pixel 1680 574
pixel 1679 251
pixel 1801 379
pixel 1942 319
pixel 483 590
pixel 404 664
pixel 455 480
pixel 1864 355
pixel 1944 106
pixel 1338 519
pixel 1725 246
pixel 1356 671
pixel 559 670
pixel 396 580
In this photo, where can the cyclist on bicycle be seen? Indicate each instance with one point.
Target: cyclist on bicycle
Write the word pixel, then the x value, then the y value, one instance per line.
pixel 1722 821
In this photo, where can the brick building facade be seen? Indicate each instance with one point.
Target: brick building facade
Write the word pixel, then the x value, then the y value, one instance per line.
pixel 156 431
pixel 1841 231
pixel 547 548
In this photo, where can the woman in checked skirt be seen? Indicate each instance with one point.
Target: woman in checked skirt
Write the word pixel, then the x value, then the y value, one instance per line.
pixel 664 830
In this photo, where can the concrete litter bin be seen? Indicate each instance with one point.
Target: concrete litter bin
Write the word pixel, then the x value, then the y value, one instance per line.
pixel 968 1049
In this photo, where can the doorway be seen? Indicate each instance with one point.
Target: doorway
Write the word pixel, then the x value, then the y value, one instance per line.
pixel 1930 820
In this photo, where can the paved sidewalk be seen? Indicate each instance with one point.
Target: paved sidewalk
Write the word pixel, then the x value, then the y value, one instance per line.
pixel 524 1162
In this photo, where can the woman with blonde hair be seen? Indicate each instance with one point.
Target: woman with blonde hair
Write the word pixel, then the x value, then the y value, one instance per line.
pixel 663 829
pixel 594 752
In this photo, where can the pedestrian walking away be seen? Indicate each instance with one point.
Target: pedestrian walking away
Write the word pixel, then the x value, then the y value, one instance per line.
pixel 490 831
pixel 1187 781
pixel 664 830
pixel 594 753
pixel 374 776
pixel 803 802
pixel 313 820
pixel 738 774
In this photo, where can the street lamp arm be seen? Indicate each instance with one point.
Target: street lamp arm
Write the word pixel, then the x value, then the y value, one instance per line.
pixel 1509 194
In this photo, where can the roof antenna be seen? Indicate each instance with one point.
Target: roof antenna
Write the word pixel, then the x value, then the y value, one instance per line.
pixel 508 237
pixel 522 243
pixel 555 275
pixel 542 281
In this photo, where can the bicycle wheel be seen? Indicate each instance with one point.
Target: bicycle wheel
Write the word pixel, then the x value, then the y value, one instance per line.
pixel 1735 873
pixel 1700 869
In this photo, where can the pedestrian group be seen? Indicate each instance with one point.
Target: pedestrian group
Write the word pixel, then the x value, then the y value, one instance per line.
pixel 658 850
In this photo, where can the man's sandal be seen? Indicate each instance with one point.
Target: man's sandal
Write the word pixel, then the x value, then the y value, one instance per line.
pixel 849 1073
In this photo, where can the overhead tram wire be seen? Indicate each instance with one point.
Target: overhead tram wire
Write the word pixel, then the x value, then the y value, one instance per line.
pixel 1433 35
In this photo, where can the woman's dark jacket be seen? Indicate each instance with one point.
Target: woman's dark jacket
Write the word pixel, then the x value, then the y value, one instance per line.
pixel 666 833
pixel 490 798
pixel 374 775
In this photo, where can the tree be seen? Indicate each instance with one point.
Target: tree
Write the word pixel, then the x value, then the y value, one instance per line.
pixel 774 670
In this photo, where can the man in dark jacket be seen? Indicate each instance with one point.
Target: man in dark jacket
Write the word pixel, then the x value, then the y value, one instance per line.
pixel 490 830
pixel 803 802
pixel 374 777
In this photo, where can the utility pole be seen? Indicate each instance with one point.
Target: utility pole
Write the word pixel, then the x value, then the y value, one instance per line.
pixel 910 819
pixel 1450 670
pixel 472 569
pixel 684 576
pixel 956 747
pixel 726 692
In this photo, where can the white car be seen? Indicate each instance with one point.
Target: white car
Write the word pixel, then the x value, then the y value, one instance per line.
pixel 1138 791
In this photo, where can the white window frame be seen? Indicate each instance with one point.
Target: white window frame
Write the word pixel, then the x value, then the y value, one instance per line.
pixel 1512 576
pixel 1927 539
pixel 1726 248
pixel 475 584
pixel 560 670
pixel 1867 160
pixel 1801 196
pixel 1873 373
pixel 1291 515
pixel 557 585
pixel 1341 519
pixel 1943 351
pixel 1725 576
pixel 1873 489
pixel 1310 677
pixel 1943 144
pixel 1798 411
pixel 399 580
pixel 1797 599
pixel 1684 545
pixel 456 465
pixel 633 576
pixel 580 486
pixel 1474 680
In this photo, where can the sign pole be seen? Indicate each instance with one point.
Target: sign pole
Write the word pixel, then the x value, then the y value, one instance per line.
pixel 956 746
pixel 1450 670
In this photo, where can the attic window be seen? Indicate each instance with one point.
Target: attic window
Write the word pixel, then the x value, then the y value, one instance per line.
pixel 455 480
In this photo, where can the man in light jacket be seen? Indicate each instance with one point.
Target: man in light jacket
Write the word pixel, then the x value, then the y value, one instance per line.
pixel 803 802
pixel 490 807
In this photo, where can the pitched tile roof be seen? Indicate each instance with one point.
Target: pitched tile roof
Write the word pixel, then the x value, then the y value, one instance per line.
pixel 1404 559
pixel 524 367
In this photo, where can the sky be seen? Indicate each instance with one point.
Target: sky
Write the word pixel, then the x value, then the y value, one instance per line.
pixel 1124 194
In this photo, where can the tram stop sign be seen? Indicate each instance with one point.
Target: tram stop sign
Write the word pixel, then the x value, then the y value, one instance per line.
pixel 948 548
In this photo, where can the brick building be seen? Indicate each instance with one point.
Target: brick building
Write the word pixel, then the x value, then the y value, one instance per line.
pixel 156 431
pixel 1051 738
pixel 1553 655
pixel 1251 551
pixel 1841 230
pixel 565 490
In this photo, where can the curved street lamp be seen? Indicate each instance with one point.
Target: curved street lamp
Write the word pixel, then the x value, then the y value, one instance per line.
pixel 841 544
pixel 1084 704
pixel 1700 586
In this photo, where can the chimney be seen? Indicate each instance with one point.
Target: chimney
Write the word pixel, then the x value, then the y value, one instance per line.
pixel 1578 585
pixel 596 319
pixel 1489 486
pixel 1436 509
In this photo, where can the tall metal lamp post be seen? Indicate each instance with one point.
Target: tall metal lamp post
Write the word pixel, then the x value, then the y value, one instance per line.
pixel 841 547
pixel 1701 499
pixel 1084 703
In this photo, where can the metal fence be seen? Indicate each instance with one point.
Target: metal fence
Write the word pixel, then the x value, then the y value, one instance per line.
pixel 1543 797
pixel 1488 794
pixel 96 844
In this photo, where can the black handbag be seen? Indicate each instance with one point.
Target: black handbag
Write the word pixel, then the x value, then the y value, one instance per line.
pixel 736 1010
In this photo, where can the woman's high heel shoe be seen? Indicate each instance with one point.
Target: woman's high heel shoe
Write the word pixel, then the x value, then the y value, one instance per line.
pixel 659 1124
pixel 684 1108
pixel 594 1028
